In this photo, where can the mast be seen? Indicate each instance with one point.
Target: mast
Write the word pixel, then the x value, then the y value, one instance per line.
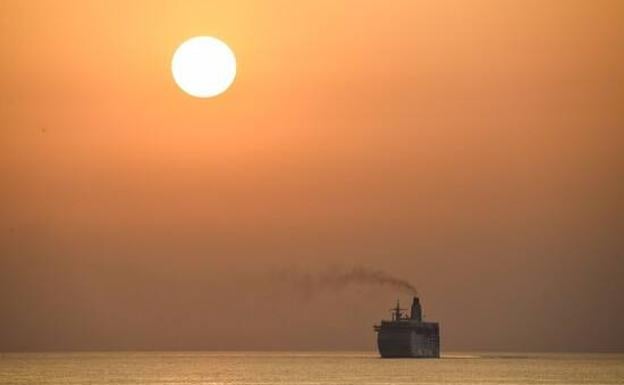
pixel 397 312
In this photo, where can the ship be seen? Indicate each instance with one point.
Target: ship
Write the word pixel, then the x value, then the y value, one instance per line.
pixel 408 336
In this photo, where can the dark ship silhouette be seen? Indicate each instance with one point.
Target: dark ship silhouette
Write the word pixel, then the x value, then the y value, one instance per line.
pixel 405 336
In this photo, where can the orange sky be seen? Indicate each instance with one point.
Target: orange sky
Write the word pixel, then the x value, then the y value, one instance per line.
pixel 474 148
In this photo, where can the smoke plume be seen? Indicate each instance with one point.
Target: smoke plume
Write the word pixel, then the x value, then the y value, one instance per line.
pixel 339 278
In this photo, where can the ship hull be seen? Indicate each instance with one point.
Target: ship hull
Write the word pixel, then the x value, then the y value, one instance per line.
pixel 409 340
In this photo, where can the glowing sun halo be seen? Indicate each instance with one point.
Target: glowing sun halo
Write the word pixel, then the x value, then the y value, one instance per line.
pixel 203 66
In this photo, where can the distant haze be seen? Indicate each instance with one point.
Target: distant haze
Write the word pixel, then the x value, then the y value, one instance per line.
pixel 471 149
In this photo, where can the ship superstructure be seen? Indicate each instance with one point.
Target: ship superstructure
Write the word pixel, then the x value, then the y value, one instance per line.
pixel 408 336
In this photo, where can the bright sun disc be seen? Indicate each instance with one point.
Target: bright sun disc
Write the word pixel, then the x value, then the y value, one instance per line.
pixel 203 66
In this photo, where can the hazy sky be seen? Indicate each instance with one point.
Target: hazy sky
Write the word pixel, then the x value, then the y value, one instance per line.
pixel 474 148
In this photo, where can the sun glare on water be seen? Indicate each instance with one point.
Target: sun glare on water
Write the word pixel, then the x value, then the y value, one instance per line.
pixel 203 66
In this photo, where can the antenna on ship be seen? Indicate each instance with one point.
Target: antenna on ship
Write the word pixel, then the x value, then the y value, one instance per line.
pixel 396 312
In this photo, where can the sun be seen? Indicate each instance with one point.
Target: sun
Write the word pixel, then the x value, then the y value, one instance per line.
pixel 203 66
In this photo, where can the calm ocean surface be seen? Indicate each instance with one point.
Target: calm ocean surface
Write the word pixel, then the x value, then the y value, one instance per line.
pixel 307 368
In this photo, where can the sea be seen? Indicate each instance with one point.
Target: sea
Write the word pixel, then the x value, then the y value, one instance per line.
pixel 310 368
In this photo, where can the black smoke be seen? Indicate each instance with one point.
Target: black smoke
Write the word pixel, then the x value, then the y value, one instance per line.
pixel 335 279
